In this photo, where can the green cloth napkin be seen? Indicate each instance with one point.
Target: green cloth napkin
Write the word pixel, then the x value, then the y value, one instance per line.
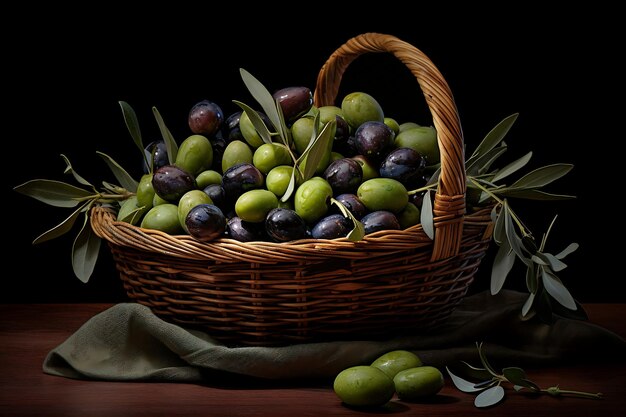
pixel 128 342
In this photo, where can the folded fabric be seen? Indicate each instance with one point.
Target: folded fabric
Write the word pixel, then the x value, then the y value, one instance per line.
pixel 128 342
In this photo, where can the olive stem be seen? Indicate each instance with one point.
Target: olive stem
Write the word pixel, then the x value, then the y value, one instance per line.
pixel 106 196
pixel 556 391
pixel 425 188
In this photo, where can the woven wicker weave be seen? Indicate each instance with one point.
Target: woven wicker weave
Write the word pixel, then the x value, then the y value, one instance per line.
pixel 264 293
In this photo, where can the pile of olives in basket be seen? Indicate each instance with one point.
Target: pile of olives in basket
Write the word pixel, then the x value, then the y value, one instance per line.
pixel 228 181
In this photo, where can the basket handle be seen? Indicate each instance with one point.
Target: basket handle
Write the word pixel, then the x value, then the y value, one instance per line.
pixel 449 205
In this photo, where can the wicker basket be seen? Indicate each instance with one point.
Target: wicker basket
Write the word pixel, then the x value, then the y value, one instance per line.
pixel 263 293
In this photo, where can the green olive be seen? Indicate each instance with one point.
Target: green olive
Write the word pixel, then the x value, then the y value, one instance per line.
pixel 277 180
pixel 188 201
pixel 270 155
pixel 208 177
pixel 195 154
pixel 383 194
pixel 409 216
pixel 392 124
pixel 421 139
pixel 395 361
pixel 363 386
pixel 163 217
pixel 301 132
pixel 252 206
pixel 237 152
pixel 415 383
pixel 158 200
pixel 248 131
pixel 406 126
pixel 359 107
pixel 145 192
pixel 312 198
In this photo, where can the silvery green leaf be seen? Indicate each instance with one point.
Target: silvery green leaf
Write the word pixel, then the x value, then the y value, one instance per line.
pixel 257 122
pixel 528 304
pixel 494 214
pixel 484 361
pixel 512 167
pixel 484 167
pixel 426 216
pixel 557 290
pixel 465 369
pixel 314 135
pixel 462 384
pixel 70 170
pixel 61 228
pixel 120 173
pixel 476 165
pixel 263 97
pixel 170 143
pixel 549 259
pixel 544 239
pixel 132 124
pixel 489 397
pixel 531 278
pixel 495 136
pixel 358 231
pixel 515 375
pixel 542 176
pixel 290 187
pixel 531 194
pixel 502 265
pixel 569 249
pixel 85 251
pixel 499 234
pixel 286 132
pixel 514 240
pixel 317 150
pixel 54 193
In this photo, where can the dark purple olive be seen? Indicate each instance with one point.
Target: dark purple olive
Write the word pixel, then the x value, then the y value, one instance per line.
pixel 380 220
pixel 156 154
pixel 205 118
pixel 373 140
pixel 343 142
pixel 352 203
pixel 240 178
pixel 344 175
pixel 283 225
pixel 205 222
pixel 217 194
pixel 245 231
pixel 230 128
pixel 331 227
pixel 219 145
pixel 405 165
pixel 294 101
pixel 170 183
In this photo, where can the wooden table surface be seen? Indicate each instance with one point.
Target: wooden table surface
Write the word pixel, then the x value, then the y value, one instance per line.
pixel 29 331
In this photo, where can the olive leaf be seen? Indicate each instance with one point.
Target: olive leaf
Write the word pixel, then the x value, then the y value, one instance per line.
pixel 125 179
pixel 531 194
pixel 132 124
pixel 61 228
pixel 484 161
pixel 572 247
pixel 512 167
pixel 556 289
pixel 543 176
pixel 85 251
pixel 426 216
pixel 489 397
pixel 257 122
pixel 528 304
pixel 494 137
pixel 358 231
pixel 502 265
pixel 264 98
pixel 462 384
pixel 315 152
pixel 70 170
pixel 54 193
pixel 170 143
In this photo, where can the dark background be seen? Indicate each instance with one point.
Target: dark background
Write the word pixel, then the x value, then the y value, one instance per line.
pixel 64 78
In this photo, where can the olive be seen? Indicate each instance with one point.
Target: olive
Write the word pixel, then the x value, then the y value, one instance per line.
pixel 344 175
pixel 145 192
pixel 312 198
pixel 129 212
pixel 421 139
pixel 157 201
pixel 208 177
pixel 219 146
pixel 383 194
pixel 283 225
pixel 405 165
pixel 374 140
pixel 369 169
pixel 395 361
pixel 236 152
pixel 230 128
pixel 195 154
pixel 205 222
pixel 363 386
pixel 241 178
pixel 406 126
pixel 188 201
pixel 217 194
pixel 248 131
pixel 156 154
pixel 301 132
pixel 294 101
pixel 171 182
pixel 205 118
pixel 163 217
pixel 278 179
pixel 392 124
pixel 409 216
pixel 359 108
pixel 331 227
pixel 380 220
pixel 245 231
pixel 353 204
pixel 418 382
pixel 253 205
pixel 270 155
